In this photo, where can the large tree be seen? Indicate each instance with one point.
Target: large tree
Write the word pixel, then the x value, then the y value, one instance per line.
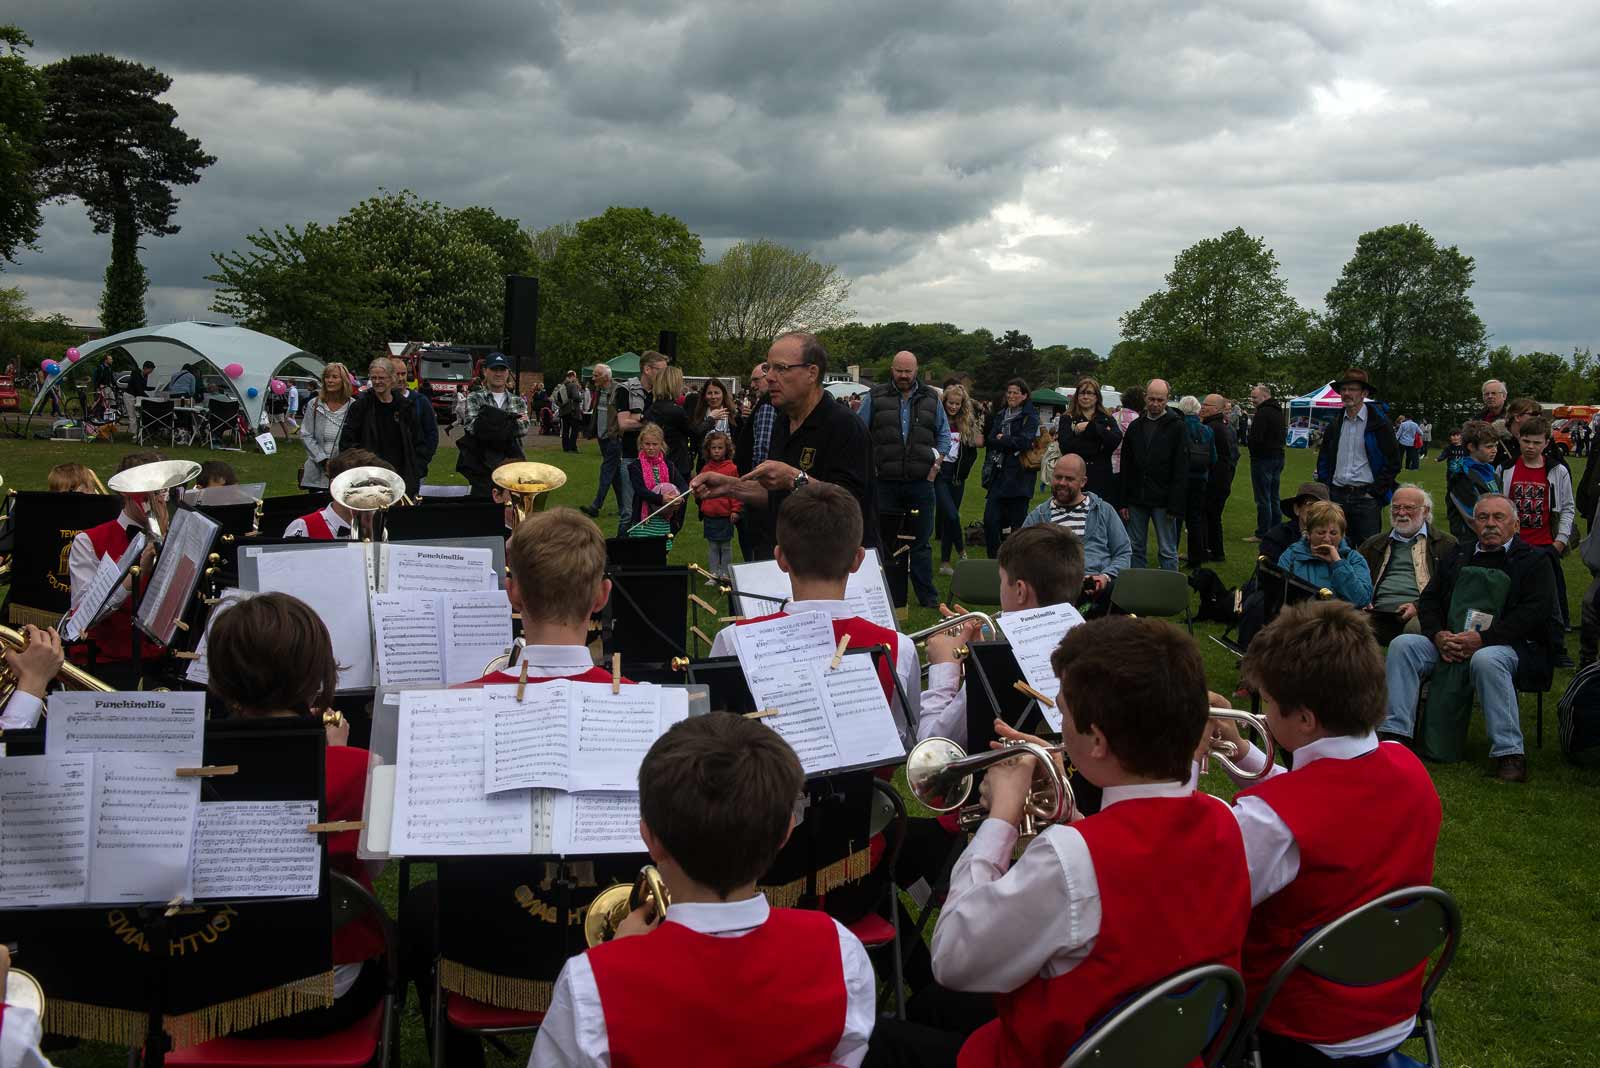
pixel 760 289
pixel 109 142
pixel 21 128
pixel 1401 310
pixel 1224 319
pixel 1010 355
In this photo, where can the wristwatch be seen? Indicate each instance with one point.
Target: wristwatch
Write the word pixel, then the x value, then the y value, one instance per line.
pixel 800 479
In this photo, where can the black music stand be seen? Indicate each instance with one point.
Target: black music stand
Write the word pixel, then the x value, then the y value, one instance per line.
pixel 43 526
pixel 238 520
pixel 895 552
pixel 636 552
pixel 446 517
pixel 645 618
pixel 278 512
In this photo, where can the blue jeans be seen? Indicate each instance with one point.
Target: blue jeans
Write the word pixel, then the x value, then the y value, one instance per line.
pixel 948 491
pixel 906 496
pixel 1264 474
pixel 611 473
pixel 1166 535
pixel 1412 657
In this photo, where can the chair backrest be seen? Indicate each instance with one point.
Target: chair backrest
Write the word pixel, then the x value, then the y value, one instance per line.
pixel 155 410
pixel 1192 1014
pixel 976 582
pixel 1146 591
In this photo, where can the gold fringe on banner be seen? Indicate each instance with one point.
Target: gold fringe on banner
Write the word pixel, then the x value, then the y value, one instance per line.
pixel 22 615
pixel 852 868
pixel 501 991
pixel 216 1021
pixel 95 1023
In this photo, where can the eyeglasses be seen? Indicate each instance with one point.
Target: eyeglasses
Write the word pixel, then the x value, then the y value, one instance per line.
pixel 775 368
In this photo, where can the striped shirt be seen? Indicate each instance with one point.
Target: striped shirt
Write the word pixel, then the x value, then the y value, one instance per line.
pixel 1073 518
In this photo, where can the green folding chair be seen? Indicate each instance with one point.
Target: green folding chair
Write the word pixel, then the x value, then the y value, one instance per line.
pixel 1145 591
pixel 976 582
pixel 1380 941
pixel 1193 1014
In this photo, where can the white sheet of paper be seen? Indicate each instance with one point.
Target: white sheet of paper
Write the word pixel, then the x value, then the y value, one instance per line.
pixel 1034 634
pixel 477 628
pixel 332 579
pixel 575 736
pixel 437 569
pixel 405 631
pixel 199 668
pixel 256 849
pixel 379 812
pixel 136 721
pixel 802 718
pixel 863 727
pixel 795 640
pixel 44 830
pixel 611 732
pixel 143 827
pixel 440 808
pixel 101 587
pixel 527 743
pixel 866 590
pixel 597 823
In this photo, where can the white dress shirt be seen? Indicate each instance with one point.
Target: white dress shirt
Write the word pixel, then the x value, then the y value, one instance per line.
pixel 341 529
pixel 83 562
pixel 19 1039
pixel 944 705
pixel 573 1033
pixel 1351 467
pixel 978 943
pixel 21 711
pixel 553 661
pixel 1273 857
pixel 907 666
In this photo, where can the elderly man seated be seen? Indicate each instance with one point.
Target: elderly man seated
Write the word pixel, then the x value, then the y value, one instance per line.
pixel 1487 623
pixel 1106 549
pixel 1402 560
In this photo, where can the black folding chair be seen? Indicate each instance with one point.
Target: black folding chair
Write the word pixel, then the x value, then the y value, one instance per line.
pixel 157 418
pixel 1192 1014
pixel 1376 943
pixel 224 422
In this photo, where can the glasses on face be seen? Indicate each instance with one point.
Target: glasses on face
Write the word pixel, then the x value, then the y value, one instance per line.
pixel 774 368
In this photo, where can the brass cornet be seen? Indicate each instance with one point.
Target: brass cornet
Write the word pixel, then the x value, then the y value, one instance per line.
pixel 70 676
pixel 920 636
pixel 1226 752
pixel 613 904
pixel 939 774
pixel 528 483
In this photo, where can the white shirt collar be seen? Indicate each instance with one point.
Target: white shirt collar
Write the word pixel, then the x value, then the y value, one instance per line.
pixel 1361 416
pixel 547 660
pixel 1112 794
pixel 721 917
pixel 831 609
pixel 335 522
pixel 1336 747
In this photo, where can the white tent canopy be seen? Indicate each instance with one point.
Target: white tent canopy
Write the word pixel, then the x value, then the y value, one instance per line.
pixel 171 346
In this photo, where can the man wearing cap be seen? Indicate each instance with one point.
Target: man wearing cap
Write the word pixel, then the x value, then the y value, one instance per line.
pixel 1359 459
pixel 496 420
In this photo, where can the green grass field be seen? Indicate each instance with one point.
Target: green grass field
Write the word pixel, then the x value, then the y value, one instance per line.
pixel 1522 860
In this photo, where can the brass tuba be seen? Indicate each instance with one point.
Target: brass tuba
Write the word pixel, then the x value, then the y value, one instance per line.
pixel 613 904
pixel 527 483
pixel 939 774
pixel 152 484
pixel 71 676
pixel 370 492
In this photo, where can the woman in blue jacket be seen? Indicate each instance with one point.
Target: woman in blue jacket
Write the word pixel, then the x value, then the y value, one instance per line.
pixel 1323 558
pixel 1010 485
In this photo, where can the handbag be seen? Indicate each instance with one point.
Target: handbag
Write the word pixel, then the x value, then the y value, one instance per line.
pixel 1034 456
pixel 991 468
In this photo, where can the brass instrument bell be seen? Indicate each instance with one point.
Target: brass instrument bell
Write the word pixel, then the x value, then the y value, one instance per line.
pixel 370 491
pixel 24 992
pixel 528 483
pixel 152 483
pixel 613 905
pixel 939 774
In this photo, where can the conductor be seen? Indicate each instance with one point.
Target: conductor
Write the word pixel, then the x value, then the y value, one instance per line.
pixel 815 440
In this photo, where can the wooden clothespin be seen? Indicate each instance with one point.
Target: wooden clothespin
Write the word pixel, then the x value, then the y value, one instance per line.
pixel 522 679
pixel 761 713
pixel 838 654
pixel 211 602
pixel 335 826
pixel 180 624
pixel 700 602
pixel 181 655
pixel 902 549
pixel 176 907
pixel 616 672
pixel 1022 687
pixel 730 619
pixel 210 771
pixel 701 636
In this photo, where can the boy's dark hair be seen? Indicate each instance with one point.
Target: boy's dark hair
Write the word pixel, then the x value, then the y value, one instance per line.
pixel 1537 426
pixel 1477 433
pixel 718 791
pixel 212 470
pixel 1047 557
pixel 1455 433
pixel 353 458
pixel 1141 681
pixel 819 530
pixel 1321 656
pixel 251 644
pixel 148 365
pixel 138 459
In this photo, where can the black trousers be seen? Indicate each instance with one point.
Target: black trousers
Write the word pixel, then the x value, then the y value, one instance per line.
pixel 1194 517
pixel 1362 512
pixel 569 433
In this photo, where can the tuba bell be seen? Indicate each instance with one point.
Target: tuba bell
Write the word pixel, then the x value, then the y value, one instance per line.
pixel 370 491
pixel 939 774
pixel 152 485
pixel 528 483
pixel 70 677
pixel 613 904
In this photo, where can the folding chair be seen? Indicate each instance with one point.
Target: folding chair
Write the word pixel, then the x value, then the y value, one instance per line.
pixel 223 420
pixel 873 930
pixel 1145 591
pixel 976 582
pixel 373 1039
pixel 1191 1015
pixel 156 417
pixel 1378 942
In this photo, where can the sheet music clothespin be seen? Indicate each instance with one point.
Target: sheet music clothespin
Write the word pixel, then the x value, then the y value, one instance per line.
pixel 180 624
pixel 1022 687
pixel 902 549
pixel 838 654
pixel 701 636
pixel 176 907
pixel 701 603
pixel 210 771
pixel 211 602
pixel 181 655
pixel 616 672
pixel 761 713
pixel 335 826
pixel 522 679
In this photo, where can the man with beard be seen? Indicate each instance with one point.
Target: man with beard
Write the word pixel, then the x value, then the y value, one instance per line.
pixel 1403 560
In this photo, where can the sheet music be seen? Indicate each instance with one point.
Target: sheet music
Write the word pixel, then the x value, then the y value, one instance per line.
pixel 864 729
pixel 436 569
pixel 178 568
pixel 477 628
pixel 802 718
pixel 256 849
pixel 199 668
pixel 440 807
pixel 107 577
pixel 405 630
pixel 44 830
pixel 795 640
pixel 332 579
pixel 527 743
pixel 143 827
pixel 1034 634
pixel 575 736
pixel 597 823
pixel 138 721
pixel 866 591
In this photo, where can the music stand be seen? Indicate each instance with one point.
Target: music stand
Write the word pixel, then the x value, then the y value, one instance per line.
pixel 896 553
pixel 645 617
pixel 278 512
pixel 447 519
pixel 636 552
pixel 43 526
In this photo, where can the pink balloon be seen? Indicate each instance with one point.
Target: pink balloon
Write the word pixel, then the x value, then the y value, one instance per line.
pixel 233 370
pixel 46 365
pixel 278 387
pixel 74 355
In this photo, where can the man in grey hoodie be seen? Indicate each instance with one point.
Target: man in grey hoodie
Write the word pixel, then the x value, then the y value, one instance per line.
pixel 1106 549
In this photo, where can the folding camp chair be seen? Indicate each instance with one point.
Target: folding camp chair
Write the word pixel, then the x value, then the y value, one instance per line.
pixel 224 422
pixel 1191 1015
pixel 1145 591
pixel 157 419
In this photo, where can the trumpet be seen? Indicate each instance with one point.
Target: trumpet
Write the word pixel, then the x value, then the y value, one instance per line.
pixel 939 774
pixel 1226 752
pixel 71 676
pixel 920 637
pixel 613 904
pixel 528 483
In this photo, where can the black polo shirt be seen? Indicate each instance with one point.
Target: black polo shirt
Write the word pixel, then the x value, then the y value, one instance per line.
pixel 830 446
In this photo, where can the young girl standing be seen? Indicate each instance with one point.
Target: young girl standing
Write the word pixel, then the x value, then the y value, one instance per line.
pixel 655 482
pixel 719 515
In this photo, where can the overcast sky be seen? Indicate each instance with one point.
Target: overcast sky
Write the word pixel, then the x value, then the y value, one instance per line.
pixel 1027 165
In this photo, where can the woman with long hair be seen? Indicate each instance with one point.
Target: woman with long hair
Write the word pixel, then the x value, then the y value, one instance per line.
pixel 1089 431
pixel 324 421
pixel 966 438
pixel 1011 433
pixel 713 411
pixel 666 411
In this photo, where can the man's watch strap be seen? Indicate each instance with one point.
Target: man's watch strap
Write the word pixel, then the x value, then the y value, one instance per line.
pixel 800 479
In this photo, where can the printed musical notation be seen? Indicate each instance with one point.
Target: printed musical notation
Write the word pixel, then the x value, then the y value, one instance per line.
pixel 1034 634
pixel 199 668
pixel 139 721
pixel 256 849
pixel 437 569
pixel 866 590
pixel 440 804
pixel 143 827
pixel 598 823
pixel 575 736
pixel 44 830
pixel 105 592
pixel 433 638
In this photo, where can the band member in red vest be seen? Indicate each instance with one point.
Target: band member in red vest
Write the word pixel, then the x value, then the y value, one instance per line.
pixel 334 522
pixel 819 547
pixel 723 980
pixel 1355 819
pixel 113 635
pixel 1107 914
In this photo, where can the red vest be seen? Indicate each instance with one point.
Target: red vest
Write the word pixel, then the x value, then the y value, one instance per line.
pixel 113 635
pixel 1364 827
pixel 503 678
pixel 774 997
pixel 346 784
pixel 317 528
pixel 864 634
pixel 1174 894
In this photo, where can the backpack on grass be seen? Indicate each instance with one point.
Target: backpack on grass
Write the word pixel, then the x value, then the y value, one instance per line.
pixel 1578 713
